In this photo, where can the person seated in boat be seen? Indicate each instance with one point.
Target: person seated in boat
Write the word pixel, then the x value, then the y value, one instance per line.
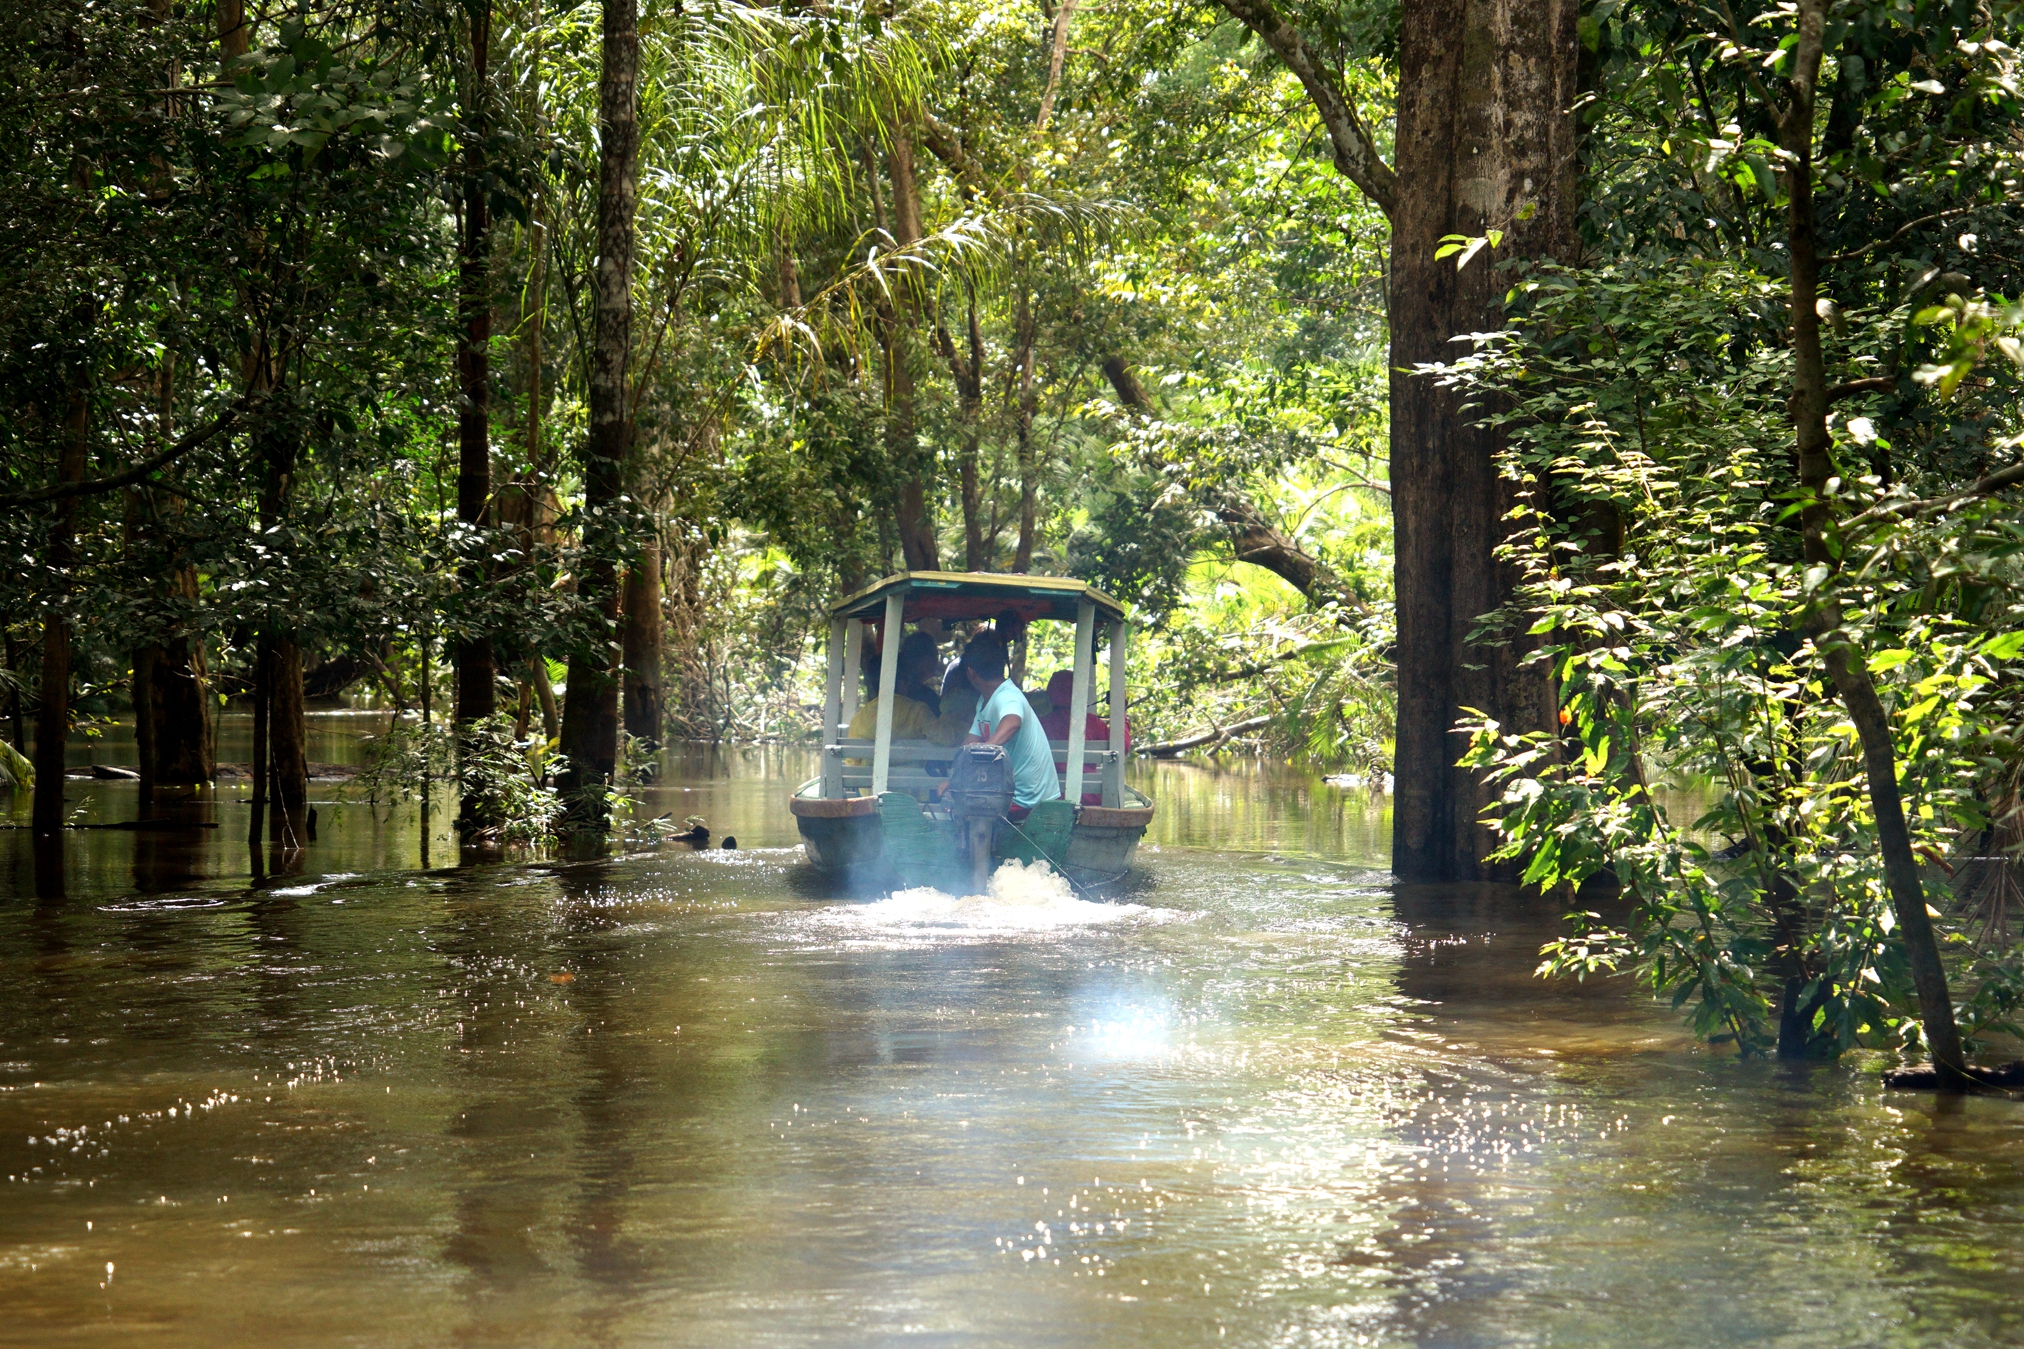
pixel 1004 717
pixel 914 708
pixel 1042 703
pixel 959 706
pixel 1061 693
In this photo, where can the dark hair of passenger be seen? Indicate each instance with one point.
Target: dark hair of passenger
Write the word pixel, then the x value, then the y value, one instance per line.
pixel 917 655
pixel 986 655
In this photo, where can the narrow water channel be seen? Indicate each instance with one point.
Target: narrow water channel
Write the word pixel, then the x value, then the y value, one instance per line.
pixel 1264 1098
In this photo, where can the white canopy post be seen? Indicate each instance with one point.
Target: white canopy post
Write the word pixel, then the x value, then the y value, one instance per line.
pixel 1113 774
pixel 1078 701
pixel 888 677
pixel 832 713
pixel 853 661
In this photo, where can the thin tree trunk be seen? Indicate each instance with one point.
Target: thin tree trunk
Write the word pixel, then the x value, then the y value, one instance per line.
pixel 967 369
pixel 913 463
pixel 182 720
pixel 16 717
pixel 790 275
pixel 645 708
pixel 1029 472
pixel 287 745
pixel 1057 55
pixel 590 713
pixel 544 695
pixel 262 682
pixel 52 724
pixel 1823 620
pixel 143 690
pixel 476 697
pixel 1484 132
pixel 287 736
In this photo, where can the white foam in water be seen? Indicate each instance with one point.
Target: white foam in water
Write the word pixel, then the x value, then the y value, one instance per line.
pixel 1023 898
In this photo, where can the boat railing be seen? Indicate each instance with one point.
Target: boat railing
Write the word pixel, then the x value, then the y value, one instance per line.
pixel 848 764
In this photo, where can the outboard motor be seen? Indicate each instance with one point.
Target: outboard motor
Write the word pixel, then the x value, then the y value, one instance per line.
pixel 979 794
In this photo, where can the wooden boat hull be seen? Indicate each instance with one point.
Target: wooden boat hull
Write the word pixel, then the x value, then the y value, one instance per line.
pixel 854 839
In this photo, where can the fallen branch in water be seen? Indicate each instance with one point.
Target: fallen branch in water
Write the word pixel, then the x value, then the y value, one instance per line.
pixel 1209 739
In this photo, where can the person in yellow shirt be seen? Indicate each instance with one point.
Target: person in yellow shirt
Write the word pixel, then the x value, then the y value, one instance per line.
pixel 915 705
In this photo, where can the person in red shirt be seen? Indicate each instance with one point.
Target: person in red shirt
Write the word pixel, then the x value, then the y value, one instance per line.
pixel 1060 689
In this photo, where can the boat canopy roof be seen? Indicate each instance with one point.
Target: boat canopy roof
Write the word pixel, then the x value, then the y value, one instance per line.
pixel 956 596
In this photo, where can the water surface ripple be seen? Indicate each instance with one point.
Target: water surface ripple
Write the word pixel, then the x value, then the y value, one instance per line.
pixel 1265 1098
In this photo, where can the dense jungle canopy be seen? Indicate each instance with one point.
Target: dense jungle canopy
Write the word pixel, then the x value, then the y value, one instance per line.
pixel 1530 404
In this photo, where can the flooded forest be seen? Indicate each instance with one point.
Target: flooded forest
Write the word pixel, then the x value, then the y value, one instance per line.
pixel 969 672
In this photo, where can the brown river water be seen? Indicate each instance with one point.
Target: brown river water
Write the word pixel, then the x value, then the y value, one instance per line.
pixel 1264 1097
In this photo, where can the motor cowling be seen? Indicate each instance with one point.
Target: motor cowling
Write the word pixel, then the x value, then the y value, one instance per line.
pixel 980 783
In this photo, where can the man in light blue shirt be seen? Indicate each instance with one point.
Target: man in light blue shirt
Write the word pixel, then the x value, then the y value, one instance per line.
pixel 1004 717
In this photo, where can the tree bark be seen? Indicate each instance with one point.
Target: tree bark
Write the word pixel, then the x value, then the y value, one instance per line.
pixel 1484 133
pixel 477 697
pixel 1823 620
pixel 52 723
pixel 645 708
pixel 235 35
pixel 590 711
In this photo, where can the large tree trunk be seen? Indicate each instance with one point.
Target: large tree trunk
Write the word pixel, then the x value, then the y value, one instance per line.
pixel 476 696
pixel 52 724
pixel 1484 132
pixel 645 710
pixel 590 709
pixel 1845 662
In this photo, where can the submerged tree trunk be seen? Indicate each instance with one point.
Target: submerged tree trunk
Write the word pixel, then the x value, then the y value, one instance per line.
pixel 287 736
pixel 590 711
pixel 476 696
pixel 645 709
pixel 172 706
pixel 287 745
pixel 1485 142
pixel 52 724
pixel 1846 666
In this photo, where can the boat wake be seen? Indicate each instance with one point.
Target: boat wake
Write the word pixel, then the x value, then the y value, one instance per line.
pixel 1024 898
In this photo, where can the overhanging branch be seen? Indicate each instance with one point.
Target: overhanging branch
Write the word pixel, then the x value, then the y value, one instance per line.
pixel 139 471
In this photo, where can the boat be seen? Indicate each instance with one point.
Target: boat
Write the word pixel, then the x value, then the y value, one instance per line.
pixel 886 812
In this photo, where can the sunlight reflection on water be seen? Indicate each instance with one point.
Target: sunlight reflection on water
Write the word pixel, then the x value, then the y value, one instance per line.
pixel 1265 1098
